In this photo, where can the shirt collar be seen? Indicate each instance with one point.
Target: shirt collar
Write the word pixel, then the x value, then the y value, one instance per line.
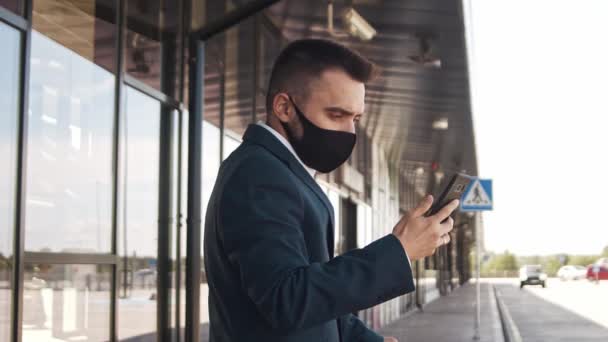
pixel 284 141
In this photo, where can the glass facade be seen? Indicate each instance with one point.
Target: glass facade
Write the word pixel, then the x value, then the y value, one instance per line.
pixel 10 61
pixel 230 75
pixel 334 199
pixel 180 253
pixel 69 179
pixel 66 302
pixel 211 151
pixel 12 5
pixel 153 44
pixel 211 165
pixel 138 236
pixel 176 243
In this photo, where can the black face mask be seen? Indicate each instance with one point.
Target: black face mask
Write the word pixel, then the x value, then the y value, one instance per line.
pixel 321 149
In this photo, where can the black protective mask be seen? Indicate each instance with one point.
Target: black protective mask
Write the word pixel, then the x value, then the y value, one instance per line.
pixel 321 149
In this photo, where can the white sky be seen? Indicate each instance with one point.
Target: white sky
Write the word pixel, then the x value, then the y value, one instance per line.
pixel 540 80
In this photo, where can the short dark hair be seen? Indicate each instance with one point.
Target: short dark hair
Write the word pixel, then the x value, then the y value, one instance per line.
pixel 303 60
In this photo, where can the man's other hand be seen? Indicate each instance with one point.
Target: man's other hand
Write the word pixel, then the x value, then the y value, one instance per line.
pixel 390 339
pixel 420 235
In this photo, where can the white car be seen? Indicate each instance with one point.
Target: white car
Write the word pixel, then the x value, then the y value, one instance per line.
pixel 572 272
pixel 532 275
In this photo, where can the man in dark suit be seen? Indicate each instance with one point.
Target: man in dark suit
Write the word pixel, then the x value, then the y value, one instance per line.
pixel 268 246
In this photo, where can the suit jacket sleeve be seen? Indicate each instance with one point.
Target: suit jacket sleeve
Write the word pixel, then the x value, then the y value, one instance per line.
pixel 352 329
pixel 261 215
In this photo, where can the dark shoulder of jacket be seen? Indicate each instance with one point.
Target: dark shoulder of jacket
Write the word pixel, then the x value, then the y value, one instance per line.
pixel 252 165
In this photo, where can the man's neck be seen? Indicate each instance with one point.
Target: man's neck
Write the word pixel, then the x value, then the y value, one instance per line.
pixel 281 132
pixel 276 125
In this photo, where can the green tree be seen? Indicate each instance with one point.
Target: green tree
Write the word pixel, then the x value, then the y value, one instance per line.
pixel 582 260
pixel 500 263
pixel 530 260
pixel 551 265
pixel 605 252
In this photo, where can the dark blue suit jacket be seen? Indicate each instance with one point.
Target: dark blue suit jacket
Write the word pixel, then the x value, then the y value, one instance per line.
pixel 268 253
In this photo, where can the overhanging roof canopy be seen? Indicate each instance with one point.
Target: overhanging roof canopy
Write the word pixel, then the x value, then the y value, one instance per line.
pixel 408 98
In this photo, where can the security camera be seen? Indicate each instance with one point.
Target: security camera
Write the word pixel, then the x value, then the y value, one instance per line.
pixel 426 52
pixel 357 25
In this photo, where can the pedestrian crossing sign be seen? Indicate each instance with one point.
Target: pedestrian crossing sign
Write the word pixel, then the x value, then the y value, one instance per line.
pixel 478 196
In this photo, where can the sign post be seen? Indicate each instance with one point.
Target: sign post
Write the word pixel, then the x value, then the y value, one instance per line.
pixel 477 198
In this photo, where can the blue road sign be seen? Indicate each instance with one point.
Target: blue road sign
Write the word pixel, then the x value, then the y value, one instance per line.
pixel 478 196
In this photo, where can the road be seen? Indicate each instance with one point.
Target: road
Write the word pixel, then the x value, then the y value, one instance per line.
pixel 563 311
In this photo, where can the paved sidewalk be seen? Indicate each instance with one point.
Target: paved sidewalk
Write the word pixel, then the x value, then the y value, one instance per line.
pixel 451 319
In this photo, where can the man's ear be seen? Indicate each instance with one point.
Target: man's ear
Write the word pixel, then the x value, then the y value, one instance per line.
pixel 281 107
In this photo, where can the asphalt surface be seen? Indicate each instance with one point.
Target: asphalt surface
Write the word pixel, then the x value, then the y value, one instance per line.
pixel 563 311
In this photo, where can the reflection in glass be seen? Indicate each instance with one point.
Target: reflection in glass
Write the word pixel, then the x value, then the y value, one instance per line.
pixel 334 199
pixel 139 227
pixel 271 44
pixel 69 175
pixel 11 5
pixel 362 231
pixel 211 165
pixel 153 44
pixel 9 112
pixel 182 218
pixel 211 162
pixel 174 260
pixel 230 145
pixel 85 27
pixel 66 302
pixel 229 81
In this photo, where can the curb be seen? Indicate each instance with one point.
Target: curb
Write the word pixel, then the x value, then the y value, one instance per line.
pixel 509 329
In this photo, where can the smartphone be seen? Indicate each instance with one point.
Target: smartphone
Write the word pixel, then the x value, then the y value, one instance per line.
pixel 454 190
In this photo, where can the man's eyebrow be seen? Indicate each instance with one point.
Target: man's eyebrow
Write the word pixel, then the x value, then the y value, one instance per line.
pixel 342 110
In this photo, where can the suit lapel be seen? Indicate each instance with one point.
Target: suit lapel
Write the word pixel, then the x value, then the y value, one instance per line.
pixel 261 136
pixel 314 186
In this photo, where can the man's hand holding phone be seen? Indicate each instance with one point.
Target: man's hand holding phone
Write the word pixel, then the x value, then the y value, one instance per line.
pixel 420 235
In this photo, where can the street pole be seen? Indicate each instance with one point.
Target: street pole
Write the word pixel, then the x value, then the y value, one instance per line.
pixel 477 284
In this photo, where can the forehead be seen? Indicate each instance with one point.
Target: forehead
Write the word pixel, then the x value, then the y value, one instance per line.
pixel 335 88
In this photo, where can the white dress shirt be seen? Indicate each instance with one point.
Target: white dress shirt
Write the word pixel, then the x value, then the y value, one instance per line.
pixel 284 141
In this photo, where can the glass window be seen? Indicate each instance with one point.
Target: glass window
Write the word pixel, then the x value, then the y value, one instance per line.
pixel 153 44
pixel 11 5
pixel 69 176
pixel 361 225
pixel 66 302
pixel 85 27
pixel 211 161
pixel 211 165
pixel 9 112
pixel 334 198
pixel 139 227
pixel 182 219
pixel 271 45
pixel 230 144
pixel 229 81
pixel 174 261
pixel 239 70
pixel 214 83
